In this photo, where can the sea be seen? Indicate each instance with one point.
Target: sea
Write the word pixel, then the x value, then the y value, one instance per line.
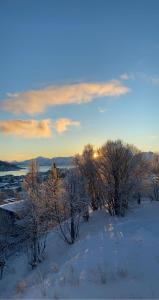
pixel 25 170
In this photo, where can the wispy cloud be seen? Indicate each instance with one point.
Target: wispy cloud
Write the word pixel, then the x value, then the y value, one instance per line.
pixel 36 101
pixel 62 125
pixel 155 80
pixel 102 110
pixel 148 78
pixel 126 76
pixel 34 128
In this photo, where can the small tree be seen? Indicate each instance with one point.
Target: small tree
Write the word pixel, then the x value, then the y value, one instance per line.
pixel 36 218
pixel 89 170
pixel 71 206
pixel 53 189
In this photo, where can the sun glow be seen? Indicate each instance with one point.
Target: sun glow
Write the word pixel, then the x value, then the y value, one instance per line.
pixel 95 155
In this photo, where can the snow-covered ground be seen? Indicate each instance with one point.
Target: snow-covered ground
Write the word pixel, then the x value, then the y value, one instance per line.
pixel 113 258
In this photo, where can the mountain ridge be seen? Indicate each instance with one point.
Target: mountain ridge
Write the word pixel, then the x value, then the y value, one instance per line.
pixel 44 161
pixel 6 166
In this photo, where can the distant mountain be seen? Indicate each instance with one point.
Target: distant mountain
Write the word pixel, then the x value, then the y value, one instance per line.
pixel 43 161
pixel 5 166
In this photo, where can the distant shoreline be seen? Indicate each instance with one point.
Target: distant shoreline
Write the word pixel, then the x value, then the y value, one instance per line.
pixel 23 171
pixel 5 166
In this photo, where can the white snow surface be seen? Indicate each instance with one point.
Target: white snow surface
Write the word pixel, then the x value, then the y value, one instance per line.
pixel 15 206
pixel 113 258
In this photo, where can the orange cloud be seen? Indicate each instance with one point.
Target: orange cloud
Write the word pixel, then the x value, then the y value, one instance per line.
pixel 34 128
pixel 27 128
pixel 62 125
pixel 36 101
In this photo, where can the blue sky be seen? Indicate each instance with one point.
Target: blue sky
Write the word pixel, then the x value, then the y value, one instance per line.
pixel 77 72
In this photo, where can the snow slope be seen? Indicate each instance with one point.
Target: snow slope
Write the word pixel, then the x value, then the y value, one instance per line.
pixel 113 258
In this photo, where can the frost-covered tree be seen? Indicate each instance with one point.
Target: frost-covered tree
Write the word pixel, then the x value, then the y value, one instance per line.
pixel 36 221
pixel 53 190
pixel 71 204
pixel 88 166
pixel 121 169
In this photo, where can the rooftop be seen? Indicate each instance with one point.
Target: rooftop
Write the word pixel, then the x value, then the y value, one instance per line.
pixel 17 207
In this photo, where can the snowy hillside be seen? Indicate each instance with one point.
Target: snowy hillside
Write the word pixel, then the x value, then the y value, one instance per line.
pixel 113 258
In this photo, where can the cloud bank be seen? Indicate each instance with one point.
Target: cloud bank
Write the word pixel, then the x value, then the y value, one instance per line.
pixel 36 101
pixel 34 128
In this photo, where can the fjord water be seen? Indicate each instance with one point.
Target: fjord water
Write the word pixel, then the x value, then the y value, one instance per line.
pixel 24 171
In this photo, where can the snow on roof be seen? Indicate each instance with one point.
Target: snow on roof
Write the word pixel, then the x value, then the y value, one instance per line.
pixel 15 207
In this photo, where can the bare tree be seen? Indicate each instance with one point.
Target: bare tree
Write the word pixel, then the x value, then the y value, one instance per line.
pixel 89 170
pixel 36 219
pixel 70 206
pixel 121 169
pixel 54 190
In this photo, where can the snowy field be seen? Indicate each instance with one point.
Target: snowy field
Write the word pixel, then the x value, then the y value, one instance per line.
pixel 113 258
